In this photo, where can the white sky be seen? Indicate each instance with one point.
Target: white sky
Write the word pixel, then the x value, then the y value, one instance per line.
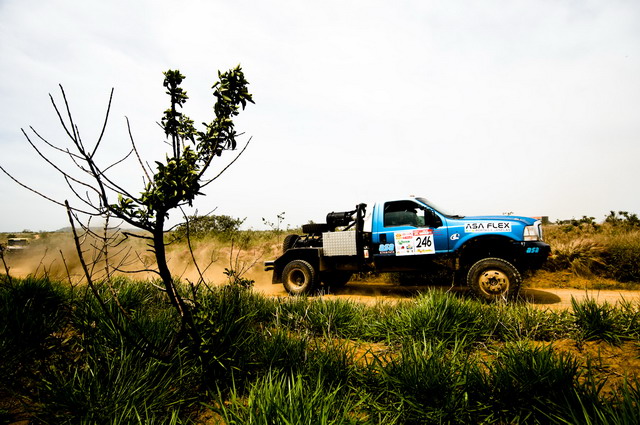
pixel 531 107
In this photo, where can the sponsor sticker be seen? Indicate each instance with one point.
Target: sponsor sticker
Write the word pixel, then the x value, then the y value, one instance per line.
pixel 487 226
pixel 414 242
pixel 387 248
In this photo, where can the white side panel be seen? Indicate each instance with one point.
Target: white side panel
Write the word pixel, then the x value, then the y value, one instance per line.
pixel 339 243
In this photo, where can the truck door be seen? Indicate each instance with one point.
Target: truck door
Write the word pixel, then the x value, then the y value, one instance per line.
pixel 402 236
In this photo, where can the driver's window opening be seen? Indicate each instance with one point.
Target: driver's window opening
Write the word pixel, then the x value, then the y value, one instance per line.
pixel 403 213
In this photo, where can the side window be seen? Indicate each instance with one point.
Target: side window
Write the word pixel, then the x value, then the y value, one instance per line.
pixel 403 213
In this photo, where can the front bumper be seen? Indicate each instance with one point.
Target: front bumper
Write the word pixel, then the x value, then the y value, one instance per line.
pixel 534 254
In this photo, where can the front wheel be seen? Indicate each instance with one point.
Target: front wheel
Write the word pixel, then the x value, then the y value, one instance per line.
pixel 299 277
pixel 494 279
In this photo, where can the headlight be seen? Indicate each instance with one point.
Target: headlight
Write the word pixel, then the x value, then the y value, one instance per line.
pixel 533 233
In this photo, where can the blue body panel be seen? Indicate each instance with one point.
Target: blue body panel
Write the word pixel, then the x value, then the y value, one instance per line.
pixel 453 233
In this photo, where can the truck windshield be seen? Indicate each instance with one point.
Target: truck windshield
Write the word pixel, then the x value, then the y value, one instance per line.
pixel 437 208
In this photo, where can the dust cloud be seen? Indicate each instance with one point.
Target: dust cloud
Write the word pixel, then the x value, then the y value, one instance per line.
pixel 55 256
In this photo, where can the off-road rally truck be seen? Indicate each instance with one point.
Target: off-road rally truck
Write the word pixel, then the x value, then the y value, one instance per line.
pixel 16 245
pixel 486 253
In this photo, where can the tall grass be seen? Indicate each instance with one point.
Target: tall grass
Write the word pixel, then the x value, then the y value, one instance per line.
pixel 330 318
pixel 445 359
pixel 436 315
pixel 621 256
pixel 426 383
pixel 526 382
pixel 116 385
pixel 33 314
pixel 609 250
pixel 288 399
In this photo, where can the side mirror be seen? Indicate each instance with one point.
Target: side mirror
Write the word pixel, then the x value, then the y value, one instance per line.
pixel 431 219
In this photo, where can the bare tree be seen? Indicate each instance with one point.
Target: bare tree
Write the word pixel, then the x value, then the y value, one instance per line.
pixel 170 185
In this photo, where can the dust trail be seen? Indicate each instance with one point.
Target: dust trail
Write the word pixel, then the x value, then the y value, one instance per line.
pixel 54 255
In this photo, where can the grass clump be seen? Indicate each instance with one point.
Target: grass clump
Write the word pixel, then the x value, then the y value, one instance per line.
pixel 609 250
pixel 118 385
pixel 279 398
pixel 524 383
pixel 441 316
pixel 33 316
pixel 425 383
pixel 606 322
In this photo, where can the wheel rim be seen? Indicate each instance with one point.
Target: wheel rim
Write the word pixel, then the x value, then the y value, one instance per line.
pixel 494 282
pixel 297 278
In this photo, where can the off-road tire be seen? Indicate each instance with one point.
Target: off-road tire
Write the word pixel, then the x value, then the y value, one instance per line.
pixel 299 277
pixel 494 279
pixel 314 228
pixel 289 242
pixel 335 279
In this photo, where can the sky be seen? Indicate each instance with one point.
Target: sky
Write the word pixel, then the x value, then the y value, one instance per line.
pixel 529 107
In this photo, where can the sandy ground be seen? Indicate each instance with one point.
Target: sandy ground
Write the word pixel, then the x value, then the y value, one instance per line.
pixel 373 292
pixel 56 258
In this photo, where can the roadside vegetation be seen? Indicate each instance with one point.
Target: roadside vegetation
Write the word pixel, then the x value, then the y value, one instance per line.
pixel 607 254
pixel 437 358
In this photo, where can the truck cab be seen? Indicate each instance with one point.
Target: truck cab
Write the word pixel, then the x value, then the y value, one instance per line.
pixel 414 227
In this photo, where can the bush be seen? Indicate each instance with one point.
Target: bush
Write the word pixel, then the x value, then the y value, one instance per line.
pixel 288 399
pixel 525 384
pixel 622 256
pixel 608 250
pixel 32 311
pixel 442 316
pixel 222 226
pixel 427 384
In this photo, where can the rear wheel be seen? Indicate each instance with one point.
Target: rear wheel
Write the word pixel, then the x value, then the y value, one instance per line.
pixel 335 279
pixel 494 279
pixel 299 277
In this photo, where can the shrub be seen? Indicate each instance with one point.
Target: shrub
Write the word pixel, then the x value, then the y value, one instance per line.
pixel 582 256
pixel 31 312
pixel 442 316
pixel 622 257
pixel 221 226
pixel 595 321
pixel 427 384
pixel 525 383
pixel 287 399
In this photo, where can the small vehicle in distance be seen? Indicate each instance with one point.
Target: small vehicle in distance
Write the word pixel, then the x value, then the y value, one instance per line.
pixel 17 245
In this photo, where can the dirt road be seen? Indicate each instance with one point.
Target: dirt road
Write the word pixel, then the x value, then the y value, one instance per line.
pixel 371 293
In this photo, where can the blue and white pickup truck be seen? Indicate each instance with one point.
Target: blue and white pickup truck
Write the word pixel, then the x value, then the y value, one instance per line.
pixel 487 253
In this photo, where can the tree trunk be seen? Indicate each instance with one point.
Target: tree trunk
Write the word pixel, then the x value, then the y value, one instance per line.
pixel 184 310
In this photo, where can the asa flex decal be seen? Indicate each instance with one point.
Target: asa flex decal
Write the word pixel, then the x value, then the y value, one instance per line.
pixel 487 226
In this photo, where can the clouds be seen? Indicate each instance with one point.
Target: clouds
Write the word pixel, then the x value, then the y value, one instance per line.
pixel 526 106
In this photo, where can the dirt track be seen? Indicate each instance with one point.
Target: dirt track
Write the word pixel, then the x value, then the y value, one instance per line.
pixel 371 293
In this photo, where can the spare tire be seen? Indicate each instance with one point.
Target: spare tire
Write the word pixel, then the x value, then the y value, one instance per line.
pixel 315 228
pixel 289 242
